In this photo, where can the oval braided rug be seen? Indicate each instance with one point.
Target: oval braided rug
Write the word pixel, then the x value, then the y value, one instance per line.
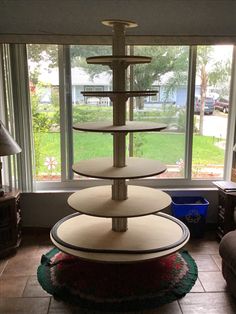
pixel 117 287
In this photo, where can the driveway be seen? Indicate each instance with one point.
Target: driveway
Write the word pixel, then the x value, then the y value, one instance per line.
pixel 215 125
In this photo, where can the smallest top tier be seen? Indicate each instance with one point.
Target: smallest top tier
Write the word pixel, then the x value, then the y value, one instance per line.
pixel 127 24
pixel 127 60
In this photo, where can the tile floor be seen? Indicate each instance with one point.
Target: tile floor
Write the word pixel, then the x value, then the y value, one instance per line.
pixel 20 292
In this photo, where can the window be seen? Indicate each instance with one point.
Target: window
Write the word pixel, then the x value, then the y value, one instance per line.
pixel 194 103
pixel 169 71
pixel 210 124
pixel 44 95
pixel 90 78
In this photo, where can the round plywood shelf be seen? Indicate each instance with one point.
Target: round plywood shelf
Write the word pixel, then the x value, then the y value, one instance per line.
pixel 112 23
pixel 131 126
pixel 108 60
pixel 113 94
pixel 103 168
pixel 92 238
pixel 96 201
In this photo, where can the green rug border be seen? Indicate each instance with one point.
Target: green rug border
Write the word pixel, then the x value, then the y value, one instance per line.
pixel 63 294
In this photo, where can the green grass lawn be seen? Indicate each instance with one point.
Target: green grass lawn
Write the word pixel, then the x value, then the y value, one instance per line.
pixel 206 151
pixel 166 147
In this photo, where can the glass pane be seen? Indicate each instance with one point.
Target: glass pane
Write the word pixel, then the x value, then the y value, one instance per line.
pixel 44 93
pixel 168 74
pixel 211 106
pixel 90 78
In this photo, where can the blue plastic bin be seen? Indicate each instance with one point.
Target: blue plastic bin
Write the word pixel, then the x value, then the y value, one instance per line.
pixel 192 211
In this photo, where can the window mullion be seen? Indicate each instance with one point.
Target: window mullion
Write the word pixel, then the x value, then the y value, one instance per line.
pixel 231 133
pixel 190 111
pixel 65 112
pixel 131 104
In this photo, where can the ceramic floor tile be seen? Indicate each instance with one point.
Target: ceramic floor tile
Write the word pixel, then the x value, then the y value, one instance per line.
pixel 20 292
pixel 3 264
pixel 33 288
pixel 202 247
pixel 24 305
pixel 25 266
pixel 205 262
pixel 12 286
pixel 197 287
pixel 43 249
pixel 217 259
pixel 210 303
pixel 212 281
pixel 26 250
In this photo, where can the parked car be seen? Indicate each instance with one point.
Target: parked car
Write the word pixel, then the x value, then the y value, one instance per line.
pixel 222 104
pixel 208 106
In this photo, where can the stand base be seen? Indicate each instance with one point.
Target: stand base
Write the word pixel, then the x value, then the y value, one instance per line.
pixel 147 237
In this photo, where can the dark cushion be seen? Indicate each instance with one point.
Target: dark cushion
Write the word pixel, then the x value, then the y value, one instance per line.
pixel 227 250
pixel 229 276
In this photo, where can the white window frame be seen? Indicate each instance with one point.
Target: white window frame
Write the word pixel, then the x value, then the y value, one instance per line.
pixel 67 182
pixel 187 181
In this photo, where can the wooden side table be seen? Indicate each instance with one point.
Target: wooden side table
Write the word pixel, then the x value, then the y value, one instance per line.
pixel 226 207
pixel 10 221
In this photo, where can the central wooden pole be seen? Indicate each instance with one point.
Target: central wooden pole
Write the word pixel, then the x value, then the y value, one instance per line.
pixel 119 187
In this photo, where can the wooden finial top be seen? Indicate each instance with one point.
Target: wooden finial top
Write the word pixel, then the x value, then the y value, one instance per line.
pixel 111 23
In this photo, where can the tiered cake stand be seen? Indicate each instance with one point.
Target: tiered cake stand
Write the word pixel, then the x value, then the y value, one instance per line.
pixel 100 231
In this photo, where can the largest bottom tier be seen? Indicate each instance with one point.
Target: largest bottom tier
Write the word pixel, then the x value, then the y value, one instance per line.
pixel 93 239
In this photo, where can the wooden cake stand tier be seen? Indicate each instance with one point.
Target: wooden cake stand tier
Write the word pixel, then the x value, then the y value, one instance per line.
pixel 126 60
pixel 103 168
pixel 113 94
pixel 92 238
pixel 131 126
pixel 97 202
pixel 127 24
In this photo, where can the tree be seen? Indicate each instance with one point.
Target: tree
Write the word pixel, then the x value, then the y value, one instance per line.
pixel 172 60
pixel 80 53
pixel 164 60
pixel 211 73
pixel 41 55
pixel 203 58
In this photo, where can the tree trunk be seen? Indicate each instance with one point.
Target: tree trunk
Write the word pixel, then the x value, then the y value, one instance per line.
pixel 139 102
pixel 204 80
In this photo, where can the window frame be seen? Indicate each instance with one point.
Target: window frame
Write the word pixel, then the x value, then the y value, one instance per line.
pixel 65 95
pixel 187 181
